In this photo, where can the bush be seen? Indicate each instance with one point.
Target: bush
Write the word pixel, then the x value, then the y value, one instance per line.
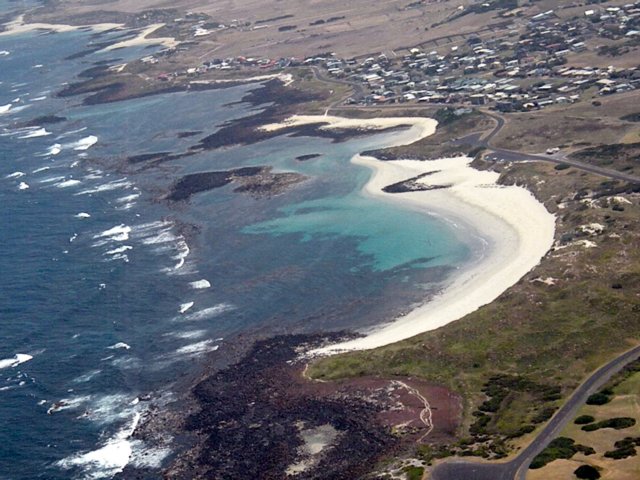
pixel 584 419
pixel 620 453
pixel 544 415
pixel 624 448
pixel 413 473
pixel 617 423
pixel 587 472
pixel 598 399
pixel 561 447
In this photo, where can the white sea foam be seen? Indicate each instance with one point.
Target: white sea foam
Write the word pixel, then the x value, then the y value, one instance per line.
pixel 82 215
pixel 39 99
pixel 189 334
pixel 41 169
pixel 68 183
pixel 17 359
pixel 115 184
pixel 5 108
pixel 71 403
pixel 15 175
pixel 4 53
pixel 165 236
pixel 119 345
pixel 40 132
pixel 126 206
pixel 54 149
pixel 52 179
pixel 120 256
pixel 200 284
pixel 186 306
pixel 210 312
pixel 119 233
pixel 72 132
pixel 119 250
pixel 110 408
pixel 126 363
pixel 84 143
pixel 198 348
pixel 183 253
pixel 93 176
pixel 87 377
pixel 128 198
pixel 23 186
pixel 108 460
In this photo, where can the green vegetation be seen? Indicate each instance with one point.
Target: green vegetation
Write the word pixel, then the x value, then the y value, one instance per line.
pixel 624 448
pixel 508 410
pixel 587 472
pixel 413 473
pixel 618 423
pixel 562 166
pixel 584 419
pixel 598 399
pixel 632 117
pixel 561 447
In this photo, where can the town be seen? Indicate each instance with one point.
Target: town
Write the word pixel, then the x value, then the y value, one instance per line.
pixel 528 64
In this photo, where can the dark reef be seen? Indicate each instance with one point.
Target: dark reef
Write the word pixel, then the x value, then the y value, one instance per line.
pixel 257 181
pixel 412 185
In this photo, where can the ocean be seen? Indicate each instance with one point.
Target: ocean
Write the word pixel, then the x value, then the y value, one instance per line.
pixel 108 293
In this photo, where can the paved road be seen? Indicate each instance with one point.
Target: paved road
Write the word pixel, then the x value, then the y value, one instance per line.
pixel 358 90
pixel 517 468
pixel 476 139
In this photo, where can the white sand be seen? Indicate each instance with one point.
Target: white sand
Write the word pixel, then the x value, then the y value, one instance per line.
pixel 421 127
pixel 141 39
pixel 19 26
pixel 518 230
pixel 285 78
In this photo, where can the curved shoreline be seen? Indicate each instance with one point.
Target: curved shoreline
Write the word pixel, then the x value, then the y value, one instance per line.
pixel 519 229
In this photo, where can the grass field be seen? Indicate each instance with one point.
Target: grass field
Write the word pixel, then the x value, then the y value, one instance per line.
pixel 572 127
pixel 624 403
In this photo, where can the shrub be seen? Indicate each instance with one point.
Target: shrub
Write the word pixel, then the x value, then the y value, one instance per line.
pixel 620 453
pixel 624 448
pixel 413 473
pixel 584 419
pixel 587 472
pixel 598 399
pixel 544 415
pixel 561 447
pixel 617 423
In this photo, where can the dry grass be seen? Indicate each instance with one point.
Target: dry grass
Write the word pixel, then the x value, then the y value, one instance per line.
pixel 573 127
pixel 626 403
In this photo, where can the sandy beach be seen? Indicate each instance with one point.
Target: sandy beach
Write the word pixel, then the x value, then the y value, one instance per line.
pixel 517 229
pixel 142 39
pixel 19 26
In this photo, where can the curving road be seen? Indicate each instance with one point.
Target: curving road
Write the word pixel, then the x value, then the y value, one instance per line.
pixel 517 468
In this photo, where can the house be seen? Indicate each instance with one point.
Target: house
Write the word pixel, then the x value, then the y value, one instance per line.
pixel 478 99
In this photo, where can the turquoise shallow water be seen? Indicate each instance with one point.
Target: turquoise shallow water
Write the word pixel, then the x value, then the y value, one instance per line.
pixel 390 236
